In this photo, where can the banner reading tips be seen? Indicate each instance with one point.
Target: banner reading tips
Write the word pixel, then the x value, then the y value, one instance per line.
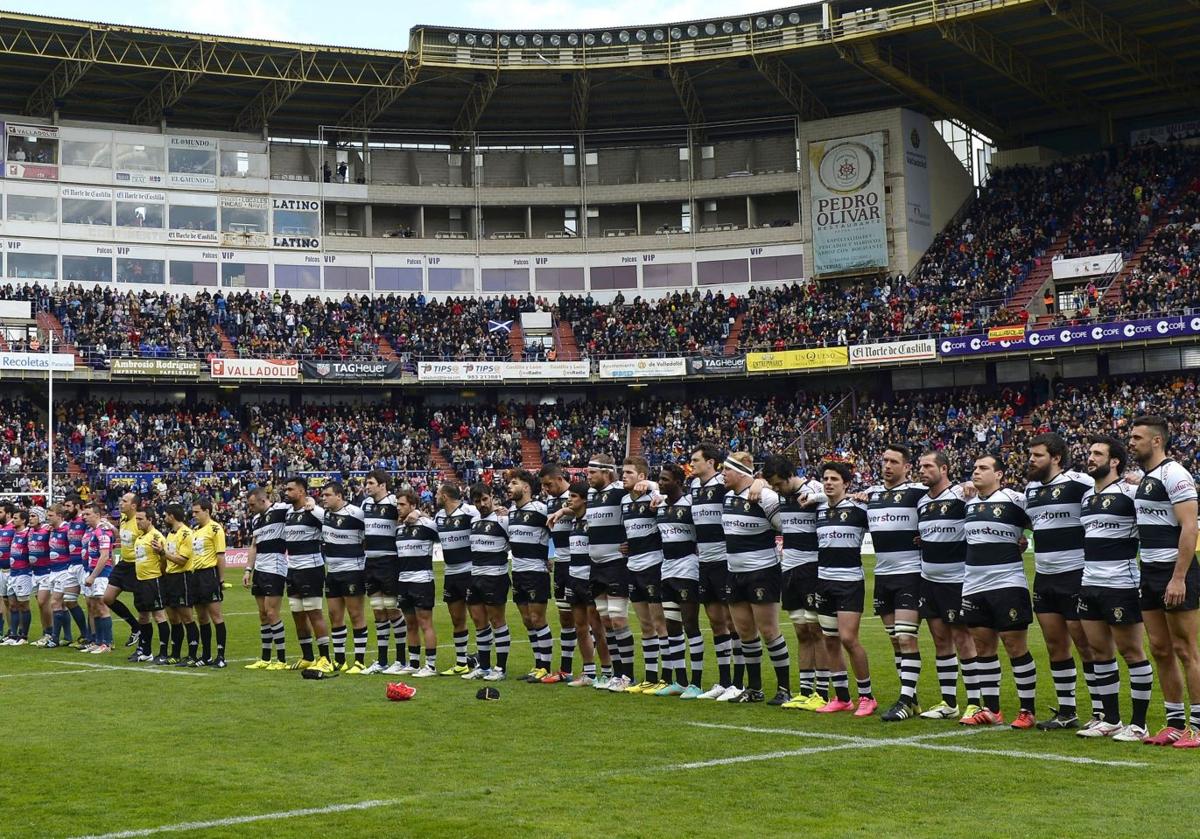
pixel 849 222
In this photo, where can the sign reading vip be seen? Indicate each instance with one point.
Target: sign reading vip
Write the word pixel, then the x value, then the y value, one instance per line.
pixel 848 218
pixel 1148 329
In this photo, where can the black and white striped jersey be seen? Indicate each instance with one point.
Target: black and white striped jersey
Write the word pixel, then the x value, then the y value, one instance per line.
pixel 581 559
pixel 941 520
pixel 841 529
pixel 560 534
pixel 893 522
pixel 678 533
pixel 414 546
pixel 708 504
pixel 1110 537
pixel 529 537
pixel 381 516
pixel 994 527
pixel 342 537
pixel 641 532
pixel 1054 509
pixel 302 537
pixel 489 546
pixel 799 526
pixel 606 528
pixel 454 533
pixel 1164 486
pixel 750 528
pixel 270 544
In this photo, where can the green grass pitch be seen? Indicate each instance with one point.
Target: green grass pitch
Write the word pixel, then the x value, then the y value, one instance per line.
pixel 96 746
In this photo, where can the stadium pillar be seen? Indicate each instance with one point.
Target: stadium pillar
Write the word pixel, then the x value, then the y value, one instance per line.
pixel 368 221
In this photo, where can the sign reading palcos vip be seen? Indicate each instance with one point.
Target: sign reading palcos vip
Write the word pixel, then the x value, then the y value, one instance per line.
pixel 849 222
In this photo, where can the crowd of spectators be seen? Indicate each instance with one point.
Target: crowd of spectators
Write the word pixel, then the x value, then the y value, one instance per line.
pixel 569 433
pixel 677 324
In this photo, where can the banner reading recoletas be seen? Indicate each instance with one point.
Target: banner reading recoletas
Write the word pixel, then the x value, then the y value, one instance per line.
pixel 716 366
pixel 154 367
pixel 888 352
pixel 1149 329
pixel 848 219
pixel 253 368
pixel 58 362
pixel 810 359
pixel 637 368
pixel 350 369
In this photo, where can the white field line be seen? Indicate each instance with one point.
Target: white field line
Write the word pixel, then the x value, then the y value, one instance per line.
pixel 50 673
pixel 918 742
pixel 236 820
pixel 157 671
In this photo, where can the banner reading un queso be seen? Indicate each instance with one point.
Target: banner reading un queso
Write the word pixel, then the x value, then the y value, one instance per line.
pixel 849 224
pixel 811 359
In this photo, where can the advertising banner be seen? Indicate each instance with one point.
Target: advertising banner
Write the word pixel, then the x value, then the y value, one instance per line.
pixel 460 371
pixel 810 359
pixel 545 370
pixel 350 369
pixel 192 162
pixel 31 152
pixel 129 177
pixel 295 222
pixel 59 362
pixel 1166 133
pixel 253 368
pixel 1053 337
pixel 1087 266
pixel 918 205
pixel 637 368
pixel 716 366
pixel 890 352
pixel 1006 333
pixel 175 367
pixel 849 223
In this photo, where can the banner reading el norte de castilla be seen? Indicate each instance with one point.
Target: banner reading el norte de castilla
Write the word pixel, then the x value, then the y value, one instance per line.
pixel 849 223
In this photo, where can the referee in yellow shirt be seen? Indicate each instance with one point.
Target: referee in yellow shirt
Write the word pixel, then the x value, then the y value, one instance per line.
pixel 208 581
pixel 176 586
pixel 147 597
pixel 124 575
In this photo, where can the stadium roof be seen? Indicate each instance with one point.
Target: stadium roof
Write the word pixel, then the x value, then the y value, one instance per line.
pixel 1010 68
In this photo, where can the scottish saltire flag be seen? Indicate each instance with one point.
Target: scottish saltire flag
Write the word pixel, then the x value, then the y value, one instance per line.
pixel 500 326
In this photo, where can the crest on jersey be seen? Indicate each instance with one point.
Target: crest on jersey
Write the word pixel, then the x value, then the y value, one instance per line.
pixel 679 512
pixel 1012 614
pixel 844 515
pixel 898 496
pixel 997 511
pixel 1106 503
pixel 1147 485
pixel 760 593
pixel 1056 492
pixel 746 506
pixel 944 508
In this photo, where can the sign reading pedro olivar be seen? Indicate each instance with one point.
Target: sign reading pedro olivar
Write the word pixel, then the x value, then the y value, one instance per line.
pixel 849 222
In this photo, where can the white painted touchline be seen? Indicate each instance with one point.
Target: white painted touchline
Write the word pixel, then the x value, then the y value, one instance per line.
pixel 726 761
pixel 157 671
pixel 235 820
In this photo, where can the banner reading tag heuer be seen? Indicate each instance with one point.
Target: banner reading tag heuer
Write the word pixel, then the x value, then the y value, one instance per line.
pixel 849 222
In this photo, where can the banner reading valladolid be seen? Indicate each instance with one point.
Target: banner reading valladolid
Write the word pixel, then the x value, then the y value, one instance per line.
pixel 253 368
pixel 811 359
pixel 637 368
pixel 178 367
pixel 890 352
pixel 1149 329
pixel 350 369
pixel 716 366
pixel 849 223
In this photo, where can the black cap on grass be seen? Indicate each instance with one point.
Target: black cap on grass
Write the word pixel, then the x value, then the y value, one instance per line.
pixel 487 693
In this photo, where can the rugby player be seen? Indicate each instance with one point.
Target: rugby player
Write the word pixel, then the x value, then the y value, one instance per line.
pixel 708 499
pixel 147 597
pixel 266 575
pixel 342 532
pixel 1109 607
pixel 39 562
pixel 799 567
pixel 20 582
pixel 529 542
pixel 488 592
pixel 99 543
pixel 306 576
pixel 995 599
pixel 207 583
pixel 680 586
pixel 1052 500
pixel 69 584
pixel 1170 585
pixel 7 510
pixel 755 580
pixel 841 592
pixel 60 560
pixel 454 519
pixel 557 491
pixel 942 513
pixel 176 548
pixel 414 545
pixel 644 558
pixel 578 592
pixel 383 569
